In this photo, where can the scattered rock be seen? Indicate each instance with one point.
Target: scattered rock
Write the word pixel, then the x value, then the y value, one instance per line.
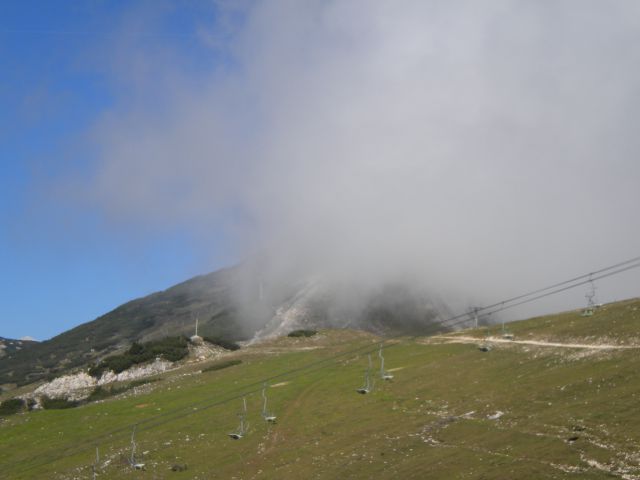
pixel 496 415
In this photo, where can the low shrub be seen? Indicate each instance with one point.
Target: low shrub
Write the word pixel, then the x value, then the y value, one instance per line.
pixel 221 342
pixel 57 403
pixel 144 381
pixel 221 365
pixel 100 393
pixel 302 333
pixel 11 406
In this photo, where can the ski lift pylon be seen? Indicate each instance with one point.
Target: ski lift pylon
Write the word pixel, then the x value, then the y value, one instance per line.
pixel 590 296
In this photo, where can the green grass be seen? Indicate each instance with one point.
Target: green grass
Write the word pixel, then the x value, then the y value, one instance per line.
pixel 431 421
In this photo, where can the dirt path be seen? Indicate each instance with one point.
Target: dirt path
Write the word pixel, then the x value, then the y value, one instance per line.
pixel 539 343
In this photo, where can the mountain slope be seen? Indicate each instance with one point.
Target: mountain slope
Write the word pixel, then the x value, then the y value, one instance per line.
pixel 232 304
pixel 522 411
pixel 158 315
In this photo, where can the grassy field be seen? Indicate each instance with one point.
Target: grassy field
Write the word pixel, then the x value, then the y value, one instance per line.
pixel 451 411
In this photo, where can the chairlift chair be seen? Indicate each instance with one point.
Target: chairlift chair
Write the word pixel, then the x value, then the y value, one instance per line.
pixel 383 373
pixel 506 334
pixel 269 417
pixel 367 387
pixel 242 428
pixel 485 346
pixel 132 460
pixel 239 434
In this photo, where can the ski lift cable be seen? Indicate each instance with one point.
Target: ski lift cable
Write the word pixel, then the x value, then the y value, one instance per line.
pixel 504 306
pixel 556 285
pixel 586 275
pixel 192 408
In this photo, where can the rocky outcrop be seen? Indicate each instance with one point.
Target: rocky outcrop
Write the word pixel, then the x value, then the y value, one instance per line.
pixel 205 351
pixel 136 372
pixel 70 387
pixel 78 386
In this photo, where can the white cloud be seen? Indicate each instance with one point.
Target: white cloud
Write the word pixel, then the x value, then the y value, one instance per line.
pixel 486 148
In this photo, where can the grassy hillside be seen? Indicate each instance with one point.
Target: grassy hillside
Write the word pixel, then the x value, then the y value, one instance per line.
pixel 452 411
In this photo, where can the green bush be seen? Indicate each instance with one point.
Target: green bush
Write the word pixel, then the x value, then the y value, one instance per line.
pixel 100 393
pixel 302 333
pixel 57 403
pixel 144 381
pixel 135 349
pixel 221 365
pixel 11 406
pixel 221 342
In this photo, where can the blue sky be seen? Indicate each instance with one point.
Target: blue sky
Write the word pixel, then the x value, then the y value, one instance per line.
pixel 62 262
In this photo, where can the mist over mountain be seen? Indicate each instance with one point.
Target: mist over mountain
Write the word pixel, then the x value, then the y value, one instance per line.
pixel 455 146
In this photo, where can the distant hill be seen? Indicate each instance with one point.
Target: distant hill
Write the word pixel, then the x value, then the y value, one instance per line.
pixel 230 304
pixel 9 346
pixel 158 315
